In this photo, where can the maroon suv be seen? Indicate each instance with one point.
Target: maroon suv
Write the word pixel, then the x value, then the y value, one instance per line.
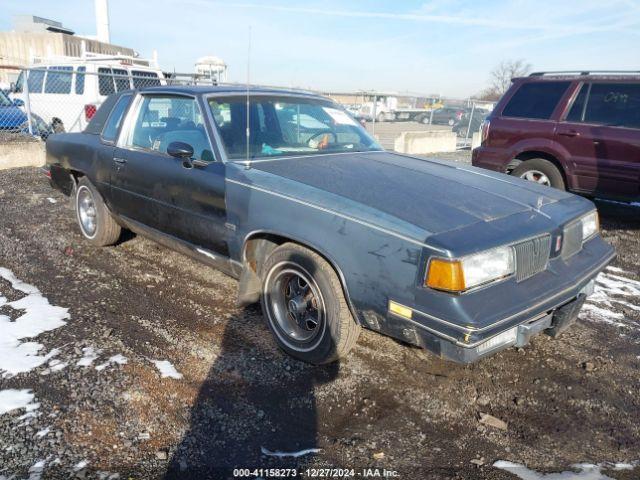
pixel 578 131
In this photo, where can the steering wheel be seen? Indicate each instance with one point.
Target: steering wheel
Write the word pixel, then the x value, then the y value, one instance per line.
pixel 322 134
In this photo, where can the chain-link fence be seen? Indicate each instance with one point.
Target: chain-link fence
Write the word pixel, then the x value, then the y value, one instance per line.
pixel 63 98
pixel 36 102
pixel 387 115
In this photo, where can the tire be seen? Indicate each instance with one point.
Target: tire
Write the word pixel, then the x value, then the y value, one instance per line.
pixel 451 122
pixel 425 120
pixel 312 324
pixel 380 118
pixel 57 126
pixel 91 211
pixel 541 171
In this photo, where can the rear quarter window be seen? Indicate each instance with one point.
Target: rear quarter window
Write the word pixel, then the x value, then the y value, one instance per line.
pixel 614 104
pixel 114 121
pixel 536 100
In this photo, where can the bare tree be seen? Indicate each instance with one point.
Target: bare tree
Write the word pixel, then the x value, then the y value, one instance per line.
pixel 502 74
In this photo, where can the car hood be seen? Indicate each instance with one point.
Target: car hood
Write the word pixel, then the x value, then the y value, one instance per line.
pixel 433 195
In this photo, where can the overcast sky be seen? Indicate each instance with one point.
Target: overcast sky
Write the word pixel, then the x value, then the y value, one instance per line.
pixel 439 46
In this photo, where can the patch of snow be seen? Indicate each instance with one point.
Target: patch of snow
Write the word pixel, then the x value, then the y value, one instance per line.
pixel 301 453
pixel 80 465
pixel 167 370
pixel 16 355
pixel 583 471
pixel 44 432
pixel 608 290
pixel 119 359
pixel 616 269
pixel 52 200
pixel 11 399
pixel 89 355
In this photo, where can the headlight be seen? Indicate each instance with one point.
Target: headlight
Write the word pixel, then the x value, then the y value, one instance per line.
pixel 470 271
pixel 590 225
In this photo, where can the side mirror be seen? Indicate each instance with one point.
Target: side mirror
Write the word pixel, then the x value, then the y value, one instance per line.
pixel 180 150
pixel 12 87
pixel 17 102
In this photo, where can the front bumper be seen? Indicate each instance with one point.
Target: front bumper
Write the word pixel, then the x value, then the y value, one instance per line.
pixel 548 302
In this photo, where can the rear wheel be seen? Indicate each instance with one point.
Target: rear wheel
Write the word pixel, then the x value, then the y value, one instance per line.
pixel 95 221
pixel 541 171
pixel 305 306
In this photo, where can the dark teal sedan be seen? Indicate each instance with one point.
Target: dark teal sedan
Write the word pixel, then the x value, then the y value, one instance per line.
pixel 285 191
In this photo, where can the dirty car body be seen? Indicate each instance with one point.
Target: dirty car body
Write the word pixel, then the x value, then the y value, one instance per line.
pixel 391 226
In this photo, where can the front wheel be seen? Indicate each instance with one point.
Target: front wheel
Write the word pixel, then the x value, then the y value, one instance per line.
pixel 305 306
pixel 541 171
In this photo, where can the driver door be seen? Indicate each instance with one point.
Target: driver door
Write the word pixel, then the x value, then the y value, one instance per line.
pixel 152 188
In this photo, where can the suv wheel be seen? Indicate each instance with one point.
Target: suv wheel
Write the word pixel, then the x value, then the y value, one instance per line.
pixel 305 306
pixel 540 171
pixel 94 219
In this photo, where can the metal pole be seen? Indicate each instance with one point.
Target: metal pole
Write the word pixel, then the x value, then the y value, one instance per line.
pixel 27 102
pixel 466 138
pixel 374 112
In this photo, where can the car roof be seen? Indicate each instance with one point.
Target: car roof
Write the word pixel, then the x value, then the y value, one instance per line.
pixel 239 89
pixel 581 76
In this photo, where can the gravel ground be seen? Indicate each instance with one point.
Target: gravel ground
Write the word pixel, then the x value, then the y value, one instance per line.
pixel 556 403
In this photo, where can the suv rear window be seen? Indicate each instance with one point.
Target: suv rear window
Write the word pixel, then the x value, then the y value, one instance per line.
pixel 535 100
pixel 614 104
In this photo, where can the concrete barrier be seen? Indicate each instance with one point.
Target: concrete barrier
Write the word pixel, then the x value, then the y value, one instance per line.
pixel 430 141
pixel 21 154
pixel 475 140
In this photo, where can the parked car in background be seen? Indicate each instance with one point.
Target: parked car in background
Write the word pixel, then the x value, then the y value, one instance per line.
pixel 66 92
pixel 461 128
pixel 578 131
pixel 13 118
pixel 445 116
pixel 330 232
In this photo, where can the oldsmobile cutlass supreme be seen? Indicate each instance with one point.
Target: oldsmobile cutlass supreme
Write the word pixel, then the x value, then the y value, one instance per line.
pixel 286 192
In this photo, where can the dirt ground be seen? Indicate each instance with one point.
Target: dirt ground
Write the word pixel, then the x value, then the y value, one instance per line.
pixel 566 401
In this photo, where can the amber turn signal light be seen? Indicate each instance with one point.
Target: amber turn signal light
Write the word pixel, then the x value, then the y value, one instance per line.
pixel 445 275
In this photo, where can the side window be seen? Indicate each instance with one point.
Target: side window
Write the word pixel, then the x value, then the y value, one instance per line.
pixel 121 78
pixel 35 79
pixel 144 79
pixel 577 109
pixel 614 104
pixel 535 100
pixel 20 82
pixel 114 121
pixel 165 119
pixel 80 80
pixel 59 80
pixel 105 82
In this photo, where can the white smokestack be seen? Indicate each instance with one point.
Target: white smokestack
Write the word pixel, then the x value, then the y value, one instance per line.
pixel 102 21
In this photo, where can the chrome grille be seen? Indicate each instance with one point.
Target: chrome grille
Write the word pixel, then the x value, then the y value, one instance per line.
pixel 532 256
pixel 572 240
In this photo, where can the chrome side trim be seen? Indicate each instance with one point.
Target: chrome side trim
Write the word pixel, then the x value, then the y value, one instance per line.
pixel 338 214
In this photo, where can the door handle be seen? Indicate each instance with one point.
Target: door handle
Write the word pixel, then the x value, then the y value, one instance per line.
pixel 119 161
pixel 570 133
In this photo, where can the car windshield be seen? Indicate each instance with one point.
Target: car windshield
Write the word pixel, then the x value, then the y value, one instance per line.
pixel 4 100
pixel 280 126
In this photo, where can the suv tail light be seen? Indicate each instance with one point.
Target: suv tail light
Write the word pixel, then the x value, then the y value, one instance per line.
pixel 484 131
pixel 89 111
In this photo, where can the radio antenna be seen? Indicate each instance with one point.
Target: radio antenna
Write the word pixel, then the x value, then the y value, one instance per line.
pixel 248 131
